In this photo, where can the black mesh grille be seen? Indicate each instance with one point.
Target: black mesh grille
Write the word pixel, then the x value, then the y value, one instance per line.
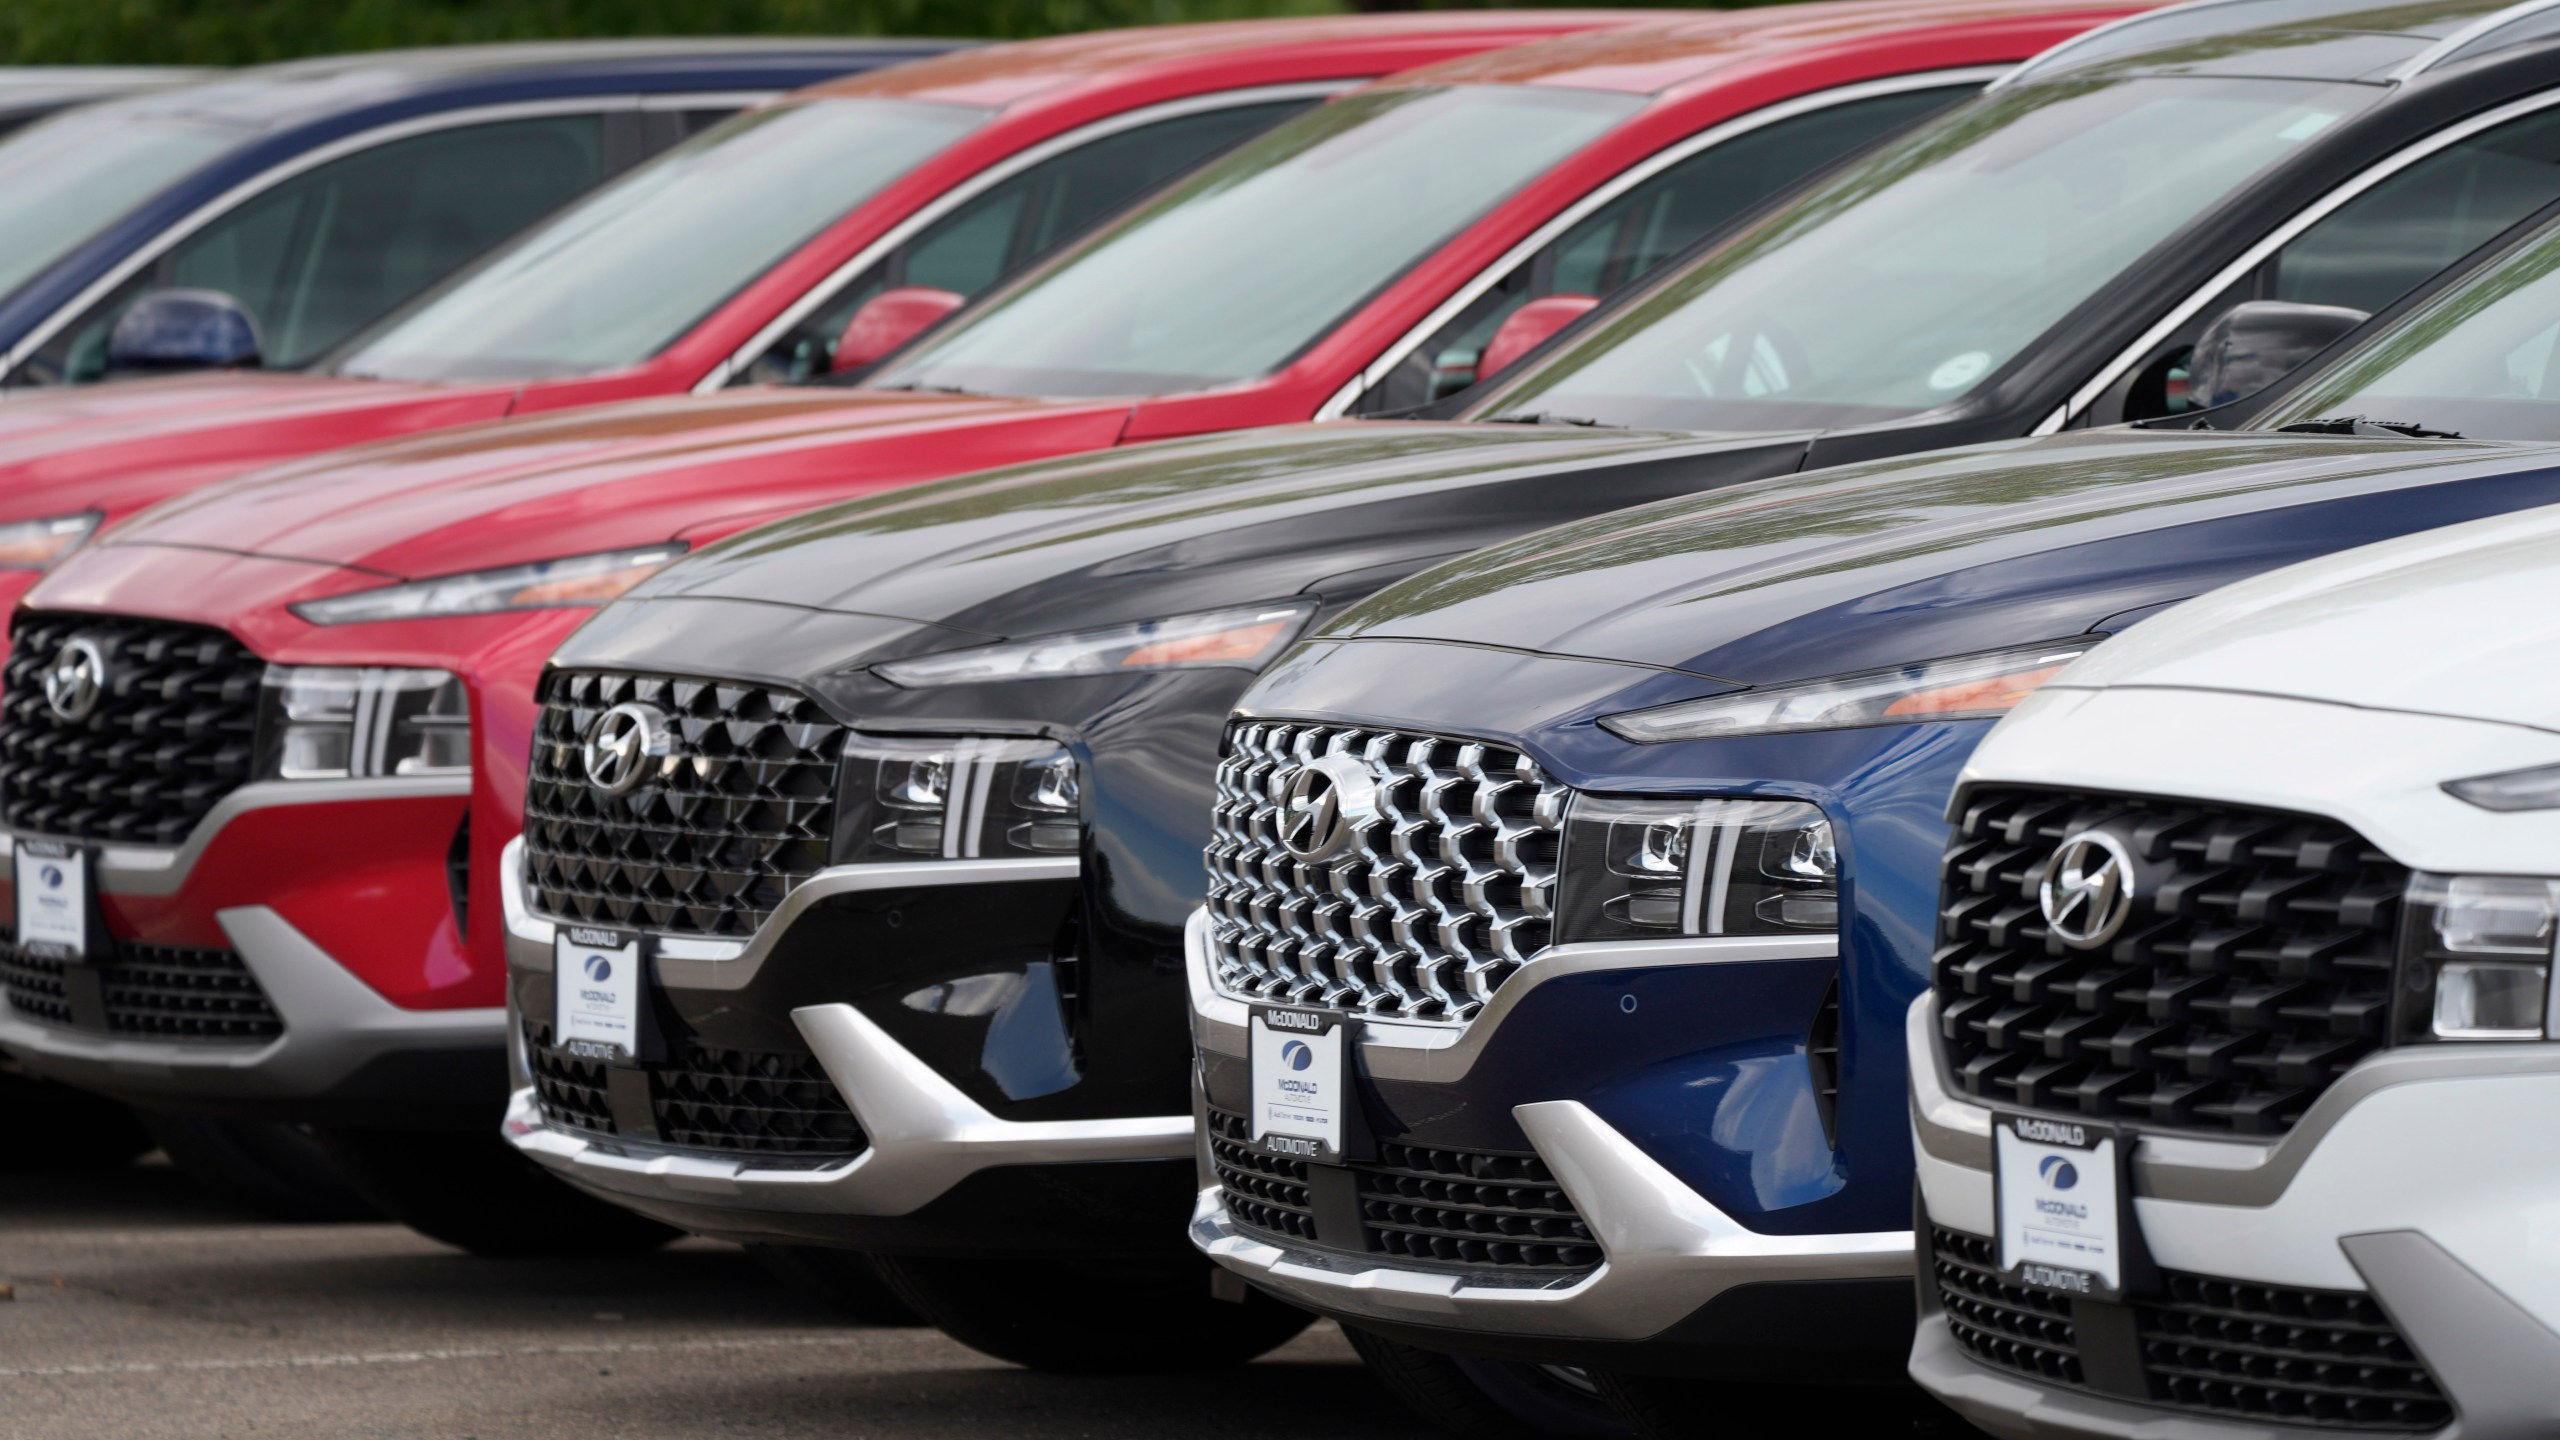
pixel 1472 1207
pixel 1822 1058
pixel 2009 1325
pixel 708 845
pixel 2254 968
pixel 746 1103
pixel 735 1102
pixel 1265 1192
pixel 151 991
pixel 174 730
pixel 2324 1358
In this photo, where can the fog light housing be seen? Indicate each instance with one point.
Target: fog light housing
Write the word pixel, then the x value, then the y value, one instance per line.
pixel 2475 959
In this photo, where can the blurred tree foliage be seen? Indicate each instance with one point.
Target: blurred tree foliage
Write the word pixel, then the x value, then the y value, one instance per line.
pixel 241 32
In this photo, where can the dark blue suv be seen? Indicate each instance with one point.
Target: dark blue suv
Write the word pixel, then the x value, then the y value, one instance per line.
pixel 322 194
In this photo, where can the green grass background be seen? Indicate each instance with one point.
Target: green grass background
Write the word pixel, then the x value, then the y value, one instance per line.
pixel 242 32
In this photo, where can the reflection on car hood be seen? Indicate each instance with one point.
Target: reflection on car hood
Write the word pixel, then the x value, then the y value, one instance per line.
pixel 2458 621
pixel 1159 529
pixel 1883 563
pixel 607 477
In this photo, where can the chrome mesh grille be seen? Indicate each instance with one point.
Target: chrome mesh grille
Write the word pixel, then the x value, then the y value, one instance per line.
pixel 1442 894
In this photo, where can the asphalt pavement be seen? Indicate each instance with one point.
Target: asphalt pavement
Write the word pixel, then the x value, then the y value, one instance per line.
pixel 141 1310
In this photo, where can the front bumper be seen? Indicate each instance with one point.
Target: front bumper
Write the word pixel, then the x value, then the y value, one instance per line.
pixel 1670 1253
pixel 925 1139
pixel 2425 1178
pixel 266 879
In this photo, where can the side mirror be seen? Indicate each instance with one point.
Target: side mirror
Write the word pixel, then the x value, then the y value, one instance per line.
pixel 170 330
pixel 2256 343
pixel 1528 327
pixel 888 320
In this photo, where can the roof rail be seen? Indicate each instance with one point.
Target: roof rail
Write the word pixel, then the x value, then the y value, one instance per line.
pixel 2516 25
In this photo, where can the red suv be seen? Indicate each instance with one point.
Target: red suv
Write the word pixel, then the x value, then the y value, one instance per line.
pixel 742 255
pixel 279 729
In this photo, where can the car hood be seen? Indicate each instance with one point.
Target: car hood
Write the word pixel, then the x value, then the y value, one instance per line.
pixel 1165 528
pixel 1883 563
pixel 2457 621
pixel 605 477
pixel 131 442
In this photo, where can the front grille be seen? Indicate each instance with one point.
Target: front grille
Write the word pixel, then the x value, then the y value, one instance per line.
pixel 2255 966
pixel 2323 1358
pixel 708 846
pixel 1443 894
pixel 157 992
pixel 1471 1207
pixel 174 730
pixel 1459 1209
pixel 733 1102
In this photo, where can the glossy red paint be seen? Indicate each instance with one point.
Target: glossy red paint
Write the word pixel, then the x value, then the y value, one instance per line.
pixel 119 447
pixel 239 555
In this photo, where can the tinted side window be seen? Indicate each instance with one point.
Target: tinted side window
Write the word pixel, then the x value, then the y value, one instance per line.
pixel 1018 221
pixel 1653 221
pixel 327 252
pixel 2379 246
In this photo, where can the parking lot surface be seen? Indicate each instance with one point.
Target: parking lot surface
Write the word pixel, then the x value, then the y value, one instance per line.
pixel 142 1310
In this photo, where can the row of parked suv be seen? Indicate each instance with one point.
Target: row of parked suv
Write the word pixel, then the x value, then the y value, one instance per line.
pixel 1456 777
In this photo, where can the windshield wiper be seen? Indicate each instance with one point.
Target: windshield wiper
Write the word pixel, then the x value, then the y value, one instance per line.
pixel 2359 425
pixel 1549 417
pixel 920 387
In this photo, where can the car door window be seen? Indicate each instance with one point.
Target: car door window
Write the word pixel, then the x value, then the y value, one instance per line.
pixel 1017 221
pixel 323 254
pixel 2379 246
pixel 1653 221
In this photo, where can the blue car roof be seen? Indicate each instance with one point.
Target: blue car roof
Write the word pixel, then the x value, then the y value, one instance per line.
pixel 286 110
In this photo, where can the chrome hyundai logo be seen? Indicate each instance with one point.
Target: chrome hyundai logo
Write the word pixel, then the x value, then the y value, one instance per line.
pixel 76 680
pixel 1324 805
pixel 621 744
pixel 2087 889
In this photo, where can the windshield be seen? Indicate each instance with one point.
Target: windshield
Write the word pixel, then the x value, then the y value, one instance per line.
pixel 67 178
pixel 623 274
pixel 1236 270
pixel 1909 280
pixel 2482 359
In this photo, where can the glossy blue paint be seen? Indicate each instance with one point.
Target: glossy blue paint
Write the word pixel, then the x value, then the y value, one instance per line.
pixel 282 112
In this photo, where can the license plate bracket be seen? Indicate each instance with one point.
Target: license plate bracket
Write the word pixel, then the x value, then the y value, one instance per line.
pixel 601 990
pixel 1301 1104
pixel 58 916
pixel 2062 1209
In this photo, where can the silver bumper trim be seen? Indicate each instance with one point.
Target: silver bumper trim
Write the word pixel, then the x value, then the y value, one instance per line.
pixel 163 870
pixel 694 963
pixel 1669 1251
pixel 334 1024
pixel 926 1136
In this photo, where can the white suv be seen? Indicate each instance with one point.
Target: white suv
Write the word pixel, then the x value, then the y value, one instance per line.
pixel 2236 1092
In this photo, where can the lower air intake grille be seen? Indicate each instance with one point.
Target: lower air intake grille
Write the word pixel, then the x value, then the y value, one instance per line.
pixel 154 992
pixel 740 1102
pixel 2254 965
pixel 571 1090
pixel 1444 1209
pixel 2325 1359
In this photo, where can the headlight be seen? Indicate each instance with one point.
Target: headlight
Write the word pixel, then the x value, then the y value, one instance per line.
pixel 1242 639
pixel 324 722
pixel 2475 959
pixel 1961 688
pixel 1651 869
pixel 957 799
pixel 578 580
pixel 36 544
